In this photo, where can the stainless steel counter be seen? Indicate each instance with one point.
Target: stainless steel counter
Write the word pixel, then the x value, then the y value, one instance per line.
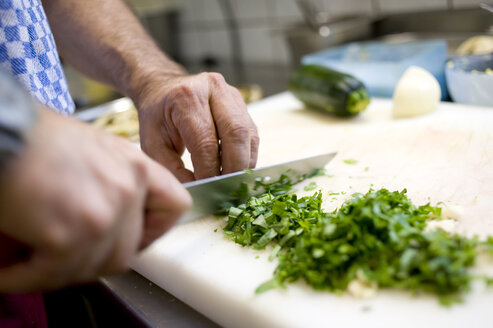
pixel 152 306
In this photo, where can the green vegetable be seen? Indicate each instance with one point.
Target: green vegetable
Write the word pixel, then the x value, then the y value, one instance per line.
pixel 351 161
pixel 379 235
pixel 489 244
pixel 328 90
pixel 318 173
pixel 310 186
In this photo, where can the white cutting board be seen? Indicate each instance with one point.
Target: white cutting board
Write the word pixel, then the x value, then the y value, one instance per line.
pixel 444 156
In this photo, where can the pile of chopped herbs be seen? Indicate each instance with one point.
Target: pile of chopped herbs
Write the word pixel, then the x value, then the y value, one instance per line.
pixel 378 235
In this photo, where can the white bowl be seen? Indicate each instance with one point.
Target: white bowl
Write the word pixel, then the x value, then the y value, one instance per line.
pixel 467 79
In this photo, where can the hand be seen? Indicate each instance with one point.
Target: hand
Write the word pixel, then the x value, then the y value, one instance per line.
pixel 202 113
pixel 83 202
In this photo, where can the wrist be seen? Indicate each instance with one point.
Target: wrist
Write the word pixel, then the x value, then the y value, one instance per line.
pixel 143 79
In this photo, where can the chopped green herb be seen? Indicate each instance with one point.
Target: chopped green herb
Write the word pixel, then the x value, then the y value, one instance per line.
pixel 351 161
pixel 489 244
pixel 215 230
pixel 318 172
pixel 234 212
pixel 249 171
pixel 274 252
pixel 310 186
pixel 379 234
pixel 367 169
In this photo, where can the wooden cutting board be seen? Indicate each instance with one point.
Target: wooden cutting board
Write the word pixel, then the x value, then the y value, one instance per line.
pixel 444 156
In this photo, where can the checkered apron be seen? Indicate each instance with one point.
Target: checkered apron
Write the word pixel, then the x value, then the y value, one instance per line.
pixel 28 51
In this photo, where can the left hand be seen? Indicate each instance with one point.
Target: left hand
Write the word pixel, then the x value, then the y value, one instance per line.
pixel 202 113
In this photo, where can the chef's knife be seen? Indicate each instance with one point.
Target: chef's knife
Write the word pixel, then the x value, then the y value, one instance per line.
pixel 209 194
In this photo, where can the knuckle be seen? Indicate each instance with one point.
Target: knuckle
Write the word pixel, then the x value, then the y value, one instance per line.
pixel 141 171
pixel 254 132
pixel 57 238
pixel 182 90
pixel 98 220
pixel 216 78
pixel 126 191
pixel 236 93
pixel 207 146
pixel 238 132
pixel 255 139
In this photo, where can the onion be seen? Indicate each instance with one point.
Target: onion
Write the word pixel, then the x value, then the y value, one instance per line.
pixel 416 93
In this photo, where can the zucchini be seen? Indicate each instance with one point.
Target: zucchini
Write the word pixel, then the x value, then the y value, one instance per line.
pixel 322 88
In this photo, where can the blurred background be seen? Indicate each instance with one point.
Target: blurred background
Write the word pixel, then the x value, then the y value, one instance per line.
pixel 256 43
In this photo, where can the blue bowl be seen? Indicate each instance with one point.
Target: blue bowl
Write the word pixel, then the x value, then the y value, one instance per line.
pixel 380 65
pixel 467 81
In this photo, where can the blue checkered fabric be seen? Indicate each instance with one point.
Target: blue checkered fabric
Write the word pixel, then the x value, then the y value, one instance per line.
pixel 28 51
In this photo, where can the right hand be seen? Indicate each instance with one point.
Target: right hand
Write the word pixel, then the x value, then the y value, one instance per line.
pixel 83 202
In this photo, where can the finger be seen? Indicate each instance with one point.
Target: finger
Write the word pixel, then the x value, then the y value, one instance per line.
pixel 93 260
pixel 165 193
pixel 160 148
pixel 173 162
pixel 166 202
pixel 196 127
pixel 114 251
pixel 25 276
pixel 254 145
pixel 156 224
pixel 126 243
pixel 233 127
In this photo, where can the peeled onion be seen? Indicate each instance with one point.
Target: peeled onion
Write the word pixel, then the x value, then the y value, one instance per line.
pixel 416 93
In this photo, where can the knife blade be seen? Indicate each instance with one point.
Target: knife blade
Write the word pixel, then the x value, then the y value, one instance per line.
pixel 209 194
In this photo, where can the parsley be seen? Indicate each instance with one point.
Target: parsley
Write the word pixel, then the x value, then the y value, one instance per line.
pixel 318 172
pixel 379 234
pixel 310 186
pixel 488 244
pixel 351 161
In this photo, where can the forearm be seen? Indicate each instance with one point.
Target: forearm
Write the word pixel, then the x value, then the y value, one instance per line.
pixel 176 111
pixel 105 40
